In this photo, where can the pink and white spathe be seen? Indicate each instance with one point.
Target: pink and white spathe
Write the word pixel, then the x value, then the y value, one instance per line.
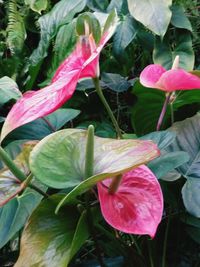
pixel 156 76
pixel 137 206
pixel 83 62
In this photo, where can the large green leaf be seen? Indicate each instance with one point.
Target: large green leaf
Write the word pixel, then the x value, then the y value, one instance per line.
pixel 179 19
pixel 15 213
pixel 154 14
pixel 10 186
pixel 59 159
pixel 145 113
pixel 115 82
pixel 62 13
pixel 40 128
pixel 188 139
pixel 125 33
pixel 165 53
pixel 8 90
pixel 37 5
pixel 51 240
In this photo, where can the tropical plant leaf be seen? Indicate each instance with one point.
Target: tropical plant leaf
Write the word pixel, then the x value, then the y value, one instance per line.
pixel 188 140
pixel 65 233
pixel 164 53
pixel 8 90
pixel 42 127
pixel 15 213
pixel 179 19
pixel 62 13
pixel 115 82
pixel 37 5
pixel 154 14
pixel 59 159
pixel 125 33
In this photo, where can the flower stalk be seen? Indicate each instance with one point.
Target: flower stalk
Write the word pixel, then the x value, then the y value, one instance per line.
pixel 107 107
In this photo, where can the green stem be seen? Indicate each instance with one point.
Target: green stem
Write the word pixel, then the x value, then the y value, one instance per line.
pixel 165 243
pixel 107 107
pixel 39 190
pixel 115 184
pixel 89 166
pixel 150 254
pixel 89 155
pixel 11 165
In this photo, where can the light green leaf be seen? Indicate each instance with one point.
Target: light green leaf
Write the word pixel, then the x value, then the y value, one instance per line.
pixel 8 90
pixel 154 14
pixel 37 5
pixel 51 240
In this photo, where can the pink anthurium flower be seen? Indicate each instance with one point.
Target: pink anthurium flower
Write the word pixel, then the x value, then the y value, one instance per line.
pixel 156 76
pixel 137 206
pixel 83 62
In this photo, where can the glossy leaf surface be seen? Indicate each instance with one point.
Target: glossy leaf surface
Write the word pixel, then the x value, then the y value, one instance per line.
pixel 59 159
pixel 48 239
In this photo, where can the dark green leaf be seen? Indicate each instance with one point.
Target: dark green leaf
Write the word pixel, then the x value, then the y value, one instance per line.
pixel 179 19
pixel 51 240
pixel 40 128
pixel 115 82
pixel 15 213
pixel 125 33
pixel 62 13
pixel 96 5
pixel 164 53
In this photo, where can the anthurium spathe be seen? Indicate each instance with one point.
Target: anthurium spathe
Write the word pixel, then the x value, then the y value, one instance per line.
pixel 156 76
pixel 137 205
pixel 83 62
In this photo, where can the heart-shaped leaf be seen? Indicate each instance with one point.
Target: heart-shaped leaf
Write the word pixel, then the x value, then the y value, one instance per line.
pixel 51 240
pixel 59 159
pixel 10 186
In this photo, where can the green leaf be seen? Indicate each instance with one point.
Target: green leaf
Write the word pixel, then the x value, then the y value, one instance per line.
pixel 8 90
pixel 92 22
pixel 188 140
pixel 179 19
pixel 154 14
pixel 115 82
pixel 51 240
pixel 167 162
pixel 14 214
pixel 37 5
pixel 40 128
pixel 145 113
pixel 162 138
pixel 10 186
pixel 125 33
pixel 165 53
pixel 62 13
pixel 96 5
pixel 59 159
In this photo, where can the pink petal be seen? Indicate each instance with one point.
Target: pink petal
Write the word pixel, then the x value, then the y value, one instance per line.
pixel 178 79
pixel 151 74
pixel 137 206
